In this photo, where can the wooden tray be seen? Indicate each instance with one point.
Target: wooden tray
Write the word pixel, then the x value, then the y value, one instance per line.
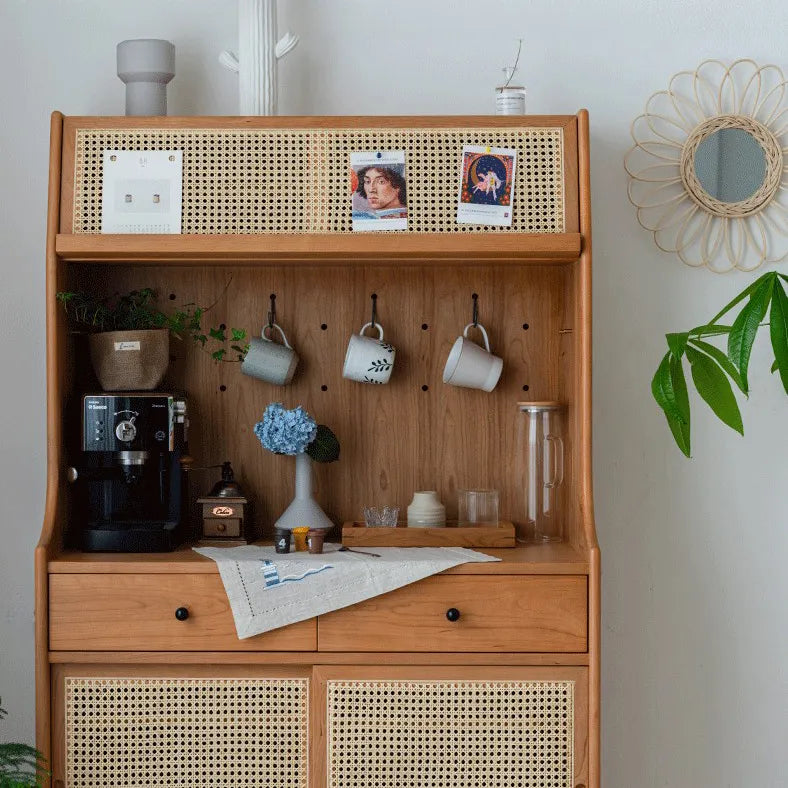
pixel 358 535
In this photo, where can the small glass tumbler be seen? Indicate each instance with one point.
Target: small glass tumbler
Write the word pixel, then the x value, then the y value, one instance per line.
pixel 477 508
pixel 385 517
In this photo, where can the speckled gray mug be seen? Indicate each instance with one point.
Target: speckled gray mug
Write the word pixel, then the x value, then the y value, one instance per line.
pixel 270 361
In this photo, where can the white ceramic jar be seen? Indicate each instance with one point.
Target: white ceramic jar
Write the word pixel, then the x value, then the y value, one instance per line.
pixel 426 510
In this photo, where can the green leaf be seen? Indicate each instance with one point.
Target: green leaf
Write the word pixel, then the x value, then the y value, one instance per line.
pixel 237 334
pixel 778 329
pixel 677 343
pixel 218 355
pixel 217 334
pixel 709 330
pixel 662 389
pixel 715 388
pixel 759 282
pixel 722 360
pixel 682 401
pixel 745 327
pixel 325 446
pixel 774 367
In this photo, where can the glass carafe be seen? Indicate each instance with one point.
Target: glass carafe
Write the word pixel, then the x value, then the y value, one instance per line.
pixel 541 444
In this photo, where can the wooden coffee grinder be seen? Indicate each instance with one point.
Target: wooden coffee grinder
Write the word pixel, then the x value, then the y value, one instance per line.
pixel 225 513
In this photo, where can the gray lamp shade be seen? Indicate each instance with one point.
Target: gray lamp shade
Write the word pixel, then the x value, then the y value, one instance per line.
pixel 146 65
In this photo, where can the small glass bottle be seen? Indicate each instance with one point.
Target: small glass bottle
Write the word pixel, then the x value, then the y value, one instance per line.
pixel 509 99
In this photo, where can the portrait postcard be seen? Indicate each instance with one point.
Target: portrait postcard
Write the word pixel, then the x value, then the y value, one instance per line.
pixel 379 191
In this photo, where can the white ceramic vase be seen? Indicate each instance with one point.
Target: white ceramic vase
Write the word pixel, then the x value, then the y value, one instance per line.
pixel 304 509
pixel 426 510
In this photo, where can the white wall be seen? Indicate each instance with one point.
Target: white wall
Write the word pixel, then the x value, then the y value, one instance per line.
pixel 695 593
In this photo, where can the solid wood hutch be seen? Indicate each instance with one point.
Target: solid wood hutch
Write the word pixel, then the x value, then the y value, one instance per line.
pixel 389 692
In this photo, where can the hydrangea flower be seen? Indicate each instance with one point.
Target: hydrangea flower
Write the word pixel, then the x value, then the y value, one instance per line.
pixel 285 431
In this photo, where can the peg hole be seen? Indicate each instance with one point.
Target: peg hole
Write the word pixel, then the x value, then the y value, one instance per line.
pixel 424 326
pixel 526 387
pixel 323 326
pixel 172 296
pixel 222 387
pixel 525 326
pixel 324 387
pixel 425 387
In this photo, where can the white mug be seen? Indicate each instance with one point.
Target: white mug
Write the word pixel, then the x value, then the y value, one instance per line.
pixel 269 361
pixel 471 366
pixel 368 360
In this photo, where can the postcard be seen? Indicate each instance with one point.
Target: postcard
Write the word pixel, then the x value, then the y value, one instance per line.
pixel 487 185
pixel 379 189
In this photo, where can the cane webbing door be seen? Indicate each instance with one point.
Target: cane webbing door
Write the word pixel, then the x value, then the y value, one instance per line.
pixel 179 732
pixel 491 729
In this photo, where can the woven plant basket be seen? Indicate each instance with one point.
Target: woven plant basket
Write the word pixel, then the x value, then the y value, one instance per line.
pixel 130 360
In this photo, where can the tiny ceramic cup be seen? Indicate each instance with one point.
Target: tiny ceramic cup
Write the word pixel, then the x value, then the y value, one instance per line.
pixel 270 361
pixel 299 538
pixel 472 366
pixel 314 540
pixel 368 360
pixel 282 540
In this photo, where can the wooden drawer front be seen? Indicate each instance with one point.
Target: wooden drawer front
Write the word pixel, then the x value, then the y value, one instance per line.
pixel 503 613
pixel 137 613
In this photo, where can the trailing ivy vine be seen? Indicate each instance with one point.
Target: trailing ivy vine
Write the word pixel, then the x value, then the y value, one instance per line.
pixel 714 372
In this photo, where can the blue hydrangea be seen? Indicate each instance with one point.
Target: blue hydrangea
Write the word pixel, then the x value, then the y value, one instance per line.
pixel 285 431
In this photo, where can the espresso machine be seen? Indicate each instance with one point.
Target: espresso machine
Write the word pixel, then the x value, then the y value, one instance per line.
pixel 130 490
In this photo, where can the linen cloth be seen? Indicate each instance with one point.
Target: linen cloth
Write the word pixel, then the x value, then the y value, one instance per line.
pixel 268 590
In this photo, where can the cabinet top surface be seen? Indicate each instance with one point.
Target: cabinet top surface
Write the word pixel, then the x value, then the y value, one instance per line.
pixel 559 558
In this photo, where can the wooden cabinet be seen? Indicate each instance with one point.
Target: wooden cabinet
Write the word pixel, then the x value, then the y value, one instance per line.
pixel 485 675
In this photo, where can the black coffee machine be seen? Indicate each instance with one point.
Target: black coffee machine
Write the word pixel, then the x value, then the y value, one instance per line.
pixel 130 491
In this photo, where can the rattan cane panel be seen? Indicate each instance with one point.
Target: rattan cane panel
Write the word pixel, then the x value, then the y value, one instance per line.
pixel 174 733
pixel 247 181
pixel 450 734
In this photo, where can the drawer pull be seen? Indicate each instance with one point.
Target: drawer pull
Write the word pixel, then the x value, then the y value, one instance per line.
pixel 182 613
pixel 453 614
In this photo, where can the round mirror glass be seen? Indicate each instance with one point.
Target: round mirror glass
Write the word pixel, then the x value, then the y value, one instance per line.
pixel 730 165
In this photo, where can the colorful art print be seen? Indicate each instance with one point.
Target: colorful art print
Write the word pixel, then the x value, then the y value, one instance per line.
pixel 379 190
pixel 487 178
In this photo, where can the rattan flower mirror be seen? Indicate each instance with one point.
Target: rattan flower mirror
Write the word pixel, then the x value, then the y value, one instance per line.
pixel 707 172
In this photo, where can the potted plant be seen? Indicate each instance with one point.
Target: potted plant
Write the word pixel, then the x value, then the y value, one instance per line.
pixel 129 336
pixel 295 432
pixel 712 369
pixel 21 766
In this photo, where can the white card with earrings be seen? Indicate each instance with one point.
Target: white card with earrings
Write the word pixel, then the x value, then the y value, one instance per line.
pixel 142 191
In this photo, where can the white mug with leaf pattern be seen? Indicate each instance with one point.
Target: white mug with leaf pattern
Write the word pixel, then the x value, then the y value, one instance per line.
pixel 369 360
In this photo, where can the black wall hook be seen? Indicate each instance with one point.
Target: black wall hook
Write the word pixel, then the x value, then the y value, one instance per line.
pixel 475 321
pixel 272 311
pixel 374 298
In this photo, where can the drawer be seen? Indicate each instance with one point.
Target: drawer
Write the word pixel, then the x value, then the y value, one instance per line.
pixel 547 613
pixel 127 612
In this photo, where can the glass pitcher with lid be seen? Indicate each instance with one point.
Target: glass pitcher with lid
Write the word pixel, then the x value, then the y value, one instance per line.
pixel 540 437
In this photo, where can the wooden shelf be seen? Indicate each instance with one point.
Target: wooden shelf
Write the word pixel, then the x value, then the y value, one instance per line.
pixel 553 559
pixel 347 249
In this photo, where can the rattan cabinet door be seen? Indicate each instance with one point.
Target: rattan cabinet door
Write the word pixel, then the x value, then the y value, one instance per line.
pixel 190 727
pixel 450 727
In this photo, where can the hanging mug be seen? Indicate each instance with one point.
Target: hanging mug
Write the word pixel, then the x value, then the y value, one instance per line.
pixel 368 360
pixel 268 360
pixel 470 365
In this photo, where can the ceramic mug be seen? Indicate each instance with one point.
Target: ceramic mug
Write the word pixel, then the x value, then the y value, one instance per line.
pixel 270 361
pixel 368 360
pixel 471 366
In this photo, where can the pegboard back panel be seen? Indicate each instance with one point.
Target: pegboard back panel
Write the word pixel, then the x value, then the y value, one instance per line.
pixel 450 734
pixel 241 181
pixel 176 732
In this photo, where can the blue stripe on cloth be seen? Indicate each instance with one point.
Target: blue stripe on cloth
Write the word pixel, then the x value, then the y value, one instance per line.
pixel 272 577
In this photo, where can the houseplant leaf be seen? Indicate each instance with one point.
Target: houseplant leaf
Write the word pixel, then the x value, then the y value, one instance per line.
pixel 715 388
pixel 677 343
pixel 745 327
pixel 759 282
pixel 778 330
pixel 680 427
pixel 662 389
pixel 722 360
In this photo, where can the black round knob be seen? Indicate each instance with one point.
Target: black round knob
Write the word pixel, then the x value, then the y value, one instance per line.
pixel 453 614
pixel 182 613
